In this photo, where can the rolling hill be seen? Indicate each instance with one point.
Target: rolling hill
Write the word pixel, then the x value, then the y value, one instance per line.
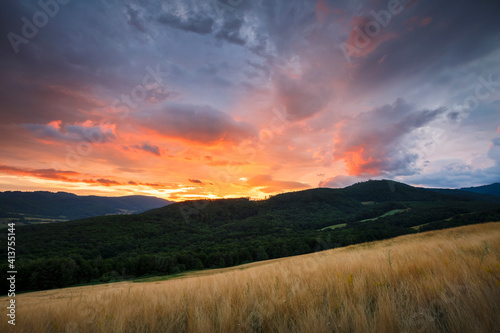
pixel 492 189
pixel 60 206
pixel 480 193
pixel 203 234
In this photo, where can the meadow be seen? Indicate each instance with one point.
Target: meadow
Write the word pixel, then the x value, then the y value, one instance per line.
pixel 437 281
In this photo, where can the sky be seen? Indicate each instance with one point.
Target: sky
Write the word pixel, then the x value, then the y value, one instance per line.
pixel 187 99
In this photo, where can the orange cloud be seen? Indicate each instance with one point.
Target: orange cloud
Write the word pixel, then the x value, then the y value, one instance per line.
pixel 40 173
pixel 269 185
pixel 375 142
pixel 358 162
pixel 58 175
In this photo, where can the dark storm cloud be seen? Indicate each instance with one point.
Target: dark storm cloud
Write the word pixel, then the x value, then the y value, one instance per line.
pixel 78 34
pixel 430 36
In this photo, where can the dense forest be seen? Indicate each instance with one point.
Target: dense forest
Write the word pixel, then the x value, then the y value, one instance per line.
pixel 195 235
pixel 492 189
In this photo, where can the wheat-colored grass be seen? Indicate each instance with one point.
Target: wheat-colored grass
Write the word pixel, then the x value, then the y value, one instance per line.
pixel 440 281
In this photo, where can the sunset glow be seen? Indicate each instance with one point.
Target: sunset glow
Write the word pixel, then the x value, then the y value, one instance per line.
pixel 183 100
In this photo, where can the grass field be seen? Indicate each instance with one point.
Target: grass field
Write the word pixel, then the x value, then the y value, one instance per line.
pixel 341 225
pixel 439 281
pixel 392 212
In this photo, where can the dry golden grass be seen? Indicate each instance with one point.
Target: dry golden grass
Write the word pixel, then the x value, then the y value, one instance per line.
pixel 441 281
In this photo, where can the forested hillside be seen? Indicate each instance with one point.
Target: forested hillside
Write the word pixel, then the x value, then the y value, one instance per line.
pixel 219 233
pixel 492 189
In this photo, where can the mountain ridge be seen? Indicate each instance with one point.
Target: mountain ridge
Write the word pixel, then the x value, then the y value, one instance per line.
pixel 69 206
pixel 492 189
pixel 489 192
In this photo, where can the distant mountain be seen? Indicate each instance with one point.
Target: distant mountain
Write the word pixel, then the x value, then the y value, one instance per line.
pixel 67 206
pixel 492 189
pixel 201 234
pixel 467 195
pixel 481 193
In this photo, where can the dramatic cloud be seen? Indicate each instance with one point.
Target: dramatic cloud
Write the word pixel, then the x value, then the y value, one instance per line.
pixel 137 96
pixel 372 143
pixel 461 32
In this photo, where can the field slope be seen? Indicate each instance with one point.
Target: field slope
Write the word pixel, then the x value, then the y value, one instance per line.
pixel 438 281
